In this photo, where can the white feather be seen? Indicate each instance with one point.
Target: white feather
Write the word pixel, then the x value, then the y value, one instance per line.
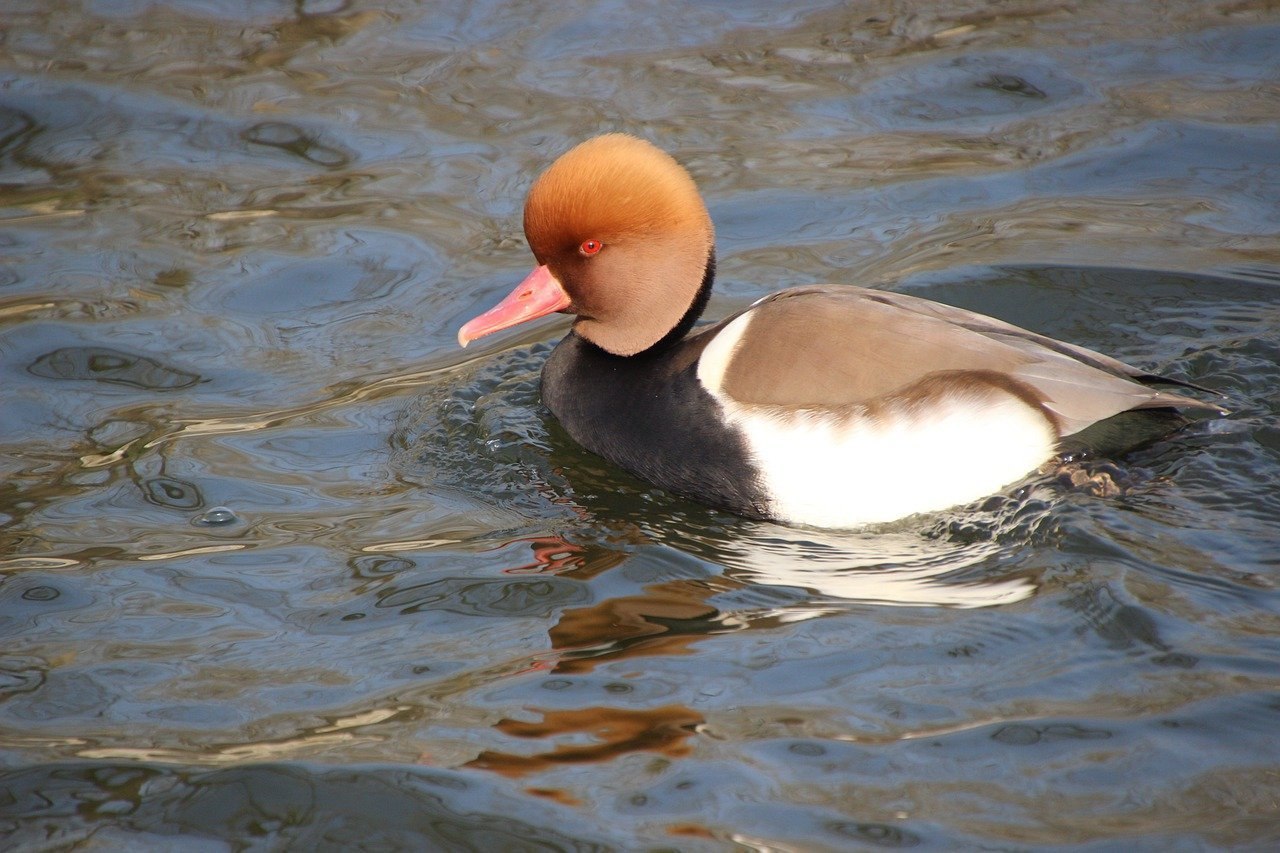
pixel 837 469
pixel 716 357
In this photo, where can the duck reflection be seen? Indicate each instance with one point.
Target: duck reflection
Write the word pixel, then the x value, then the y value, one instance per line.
pixel 753 575
pixel 666 620
pixel 775 576
pixel 884 567
pixel 615 731
pixel 556 555
pixel 759 577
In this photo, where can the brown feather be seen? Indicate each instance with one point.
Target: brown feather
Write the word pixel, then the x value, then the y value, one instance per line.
pixel 834 346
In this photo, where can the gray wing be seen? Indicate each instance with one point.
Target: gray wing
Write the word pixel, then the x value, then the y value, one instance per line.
pixel 835 345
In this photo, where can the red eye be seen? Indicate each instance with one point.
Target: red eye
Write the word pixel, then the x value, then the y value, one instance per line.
pixel 590 247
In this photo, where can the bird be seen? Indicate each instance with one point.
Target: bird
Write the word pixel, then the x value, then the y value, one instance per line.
pixel 826 406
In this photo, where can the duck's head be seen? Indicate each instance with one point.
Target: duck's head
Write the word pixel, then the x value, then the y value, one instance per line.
pixel 622 239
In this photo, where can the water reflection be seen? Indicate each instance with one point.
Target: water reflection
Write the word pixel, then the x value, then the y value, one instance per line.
pixel 277 806
pixel 16 129
pixel 878 835
pixel 103 364
pixel 1022 734
pixel 666 620
pixel 556 555
pixel 1124 626
pixel 295 141
pixel 173 493
pixel 895 567
pixel 466 596
pixel 614 731
pixel 975 87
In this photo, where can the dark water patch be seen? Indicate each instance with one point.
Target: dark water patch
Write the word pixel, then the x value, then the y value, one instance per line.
pixel 381 592
pixel 875 834
pixel 295 141
pixel 565 690
pixel 1120 626
pixel 1019 734
pixel 102 364
pixel 973 88
pixel 16 127
pixel 174 493
pixel 468 597
pixel 21 675
pixel 30 601
pixel 284 805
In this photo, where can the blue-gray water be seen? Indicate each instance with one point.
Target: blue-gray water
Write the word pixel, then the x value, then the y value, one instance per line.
pixel 282 567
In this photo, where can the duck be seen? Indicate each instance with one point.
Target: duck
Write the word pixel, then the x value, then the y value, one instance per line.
pixel 828 406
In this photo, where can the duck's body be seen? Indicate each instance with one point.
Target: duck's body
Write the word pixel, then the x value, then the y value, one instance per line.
pixel 827 406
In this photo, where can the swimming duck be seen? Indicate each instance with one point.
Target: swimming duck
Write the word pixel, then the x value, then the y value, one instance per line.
pixel 829 406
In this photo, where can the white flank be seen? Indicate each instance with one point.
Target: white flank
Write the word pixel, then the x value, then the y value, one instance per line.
pixel 716 357
pixel 829 469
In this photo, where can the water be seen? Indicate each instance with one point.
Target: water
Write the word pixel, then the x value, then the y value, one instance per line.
pixel 280 565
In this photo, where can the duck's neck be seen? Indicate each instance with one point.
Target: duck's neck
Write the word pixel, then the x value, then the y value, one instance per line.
pixel 696 307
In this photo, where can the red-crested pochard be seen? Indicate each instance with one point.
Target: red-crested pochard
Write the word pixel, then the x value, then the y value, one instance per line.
pixel 829 406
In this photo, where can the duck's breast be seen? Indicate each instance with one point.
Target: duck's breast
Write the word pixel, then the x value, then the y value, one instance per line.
pixel 651 416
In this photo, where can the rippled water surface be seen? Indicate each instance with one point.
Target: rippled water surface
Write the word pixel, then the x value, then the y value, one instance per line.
pixel 282 566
